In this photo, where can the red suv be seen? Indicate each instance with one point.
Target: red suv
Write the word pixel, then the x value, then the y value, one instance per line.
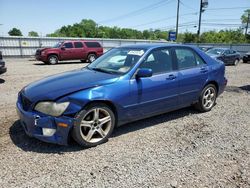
pixel 70 50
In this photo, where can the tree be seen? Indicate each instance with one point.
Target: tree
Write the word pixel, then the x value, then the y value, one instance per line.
pixel 245 16
pixel 15 32
pixel 33 34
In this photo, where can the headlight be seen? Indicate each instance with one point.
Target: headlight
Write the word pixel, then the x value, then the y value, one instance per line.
pixel 43 53
pixel 52 108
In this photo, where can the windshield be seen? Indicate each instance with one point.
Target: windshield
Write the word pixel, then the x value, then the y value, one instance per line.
pixel 215 51
pixel 57 45
pixel 117 61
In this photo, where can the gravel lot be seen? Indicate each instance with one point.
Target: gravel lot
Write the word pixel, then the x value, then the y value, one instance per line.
pixel 179 149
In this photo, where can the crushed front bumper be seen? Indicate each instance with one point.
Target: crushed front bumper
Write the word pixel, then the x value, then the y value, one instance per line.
pixel 34 124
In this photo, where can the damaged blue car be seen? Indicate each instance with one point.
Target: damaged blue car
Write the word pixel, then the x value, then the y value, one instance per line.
pixel 124 85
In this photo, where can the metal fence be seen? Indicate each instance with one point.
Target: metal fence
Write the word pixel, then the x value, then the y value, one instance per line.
pixel 242 48
pixel 26 46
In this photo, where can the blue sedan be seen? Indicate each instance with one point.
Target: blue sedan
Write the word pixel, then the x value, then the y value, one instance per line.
pixel 124 85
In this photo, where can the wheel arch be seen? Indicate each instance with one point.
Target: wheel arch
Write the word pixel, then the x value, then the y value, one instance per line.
pixel 109 104
pixel 213 82
pixel 52 54
pixel 92 52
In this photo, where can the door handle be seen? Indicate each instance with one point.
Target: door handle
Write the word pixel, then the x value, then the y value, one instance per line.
pixel 171 77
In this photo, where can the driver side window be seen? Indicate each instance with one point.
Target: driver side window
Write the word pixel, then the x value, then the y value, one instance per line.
pixel 227 52
pixel 159 61
pixel 68 45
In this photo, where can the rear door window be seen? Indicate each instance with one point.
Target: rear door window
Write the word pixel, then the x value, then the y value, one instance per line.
pixel 186 59
pixel 78 45
pixel 92 44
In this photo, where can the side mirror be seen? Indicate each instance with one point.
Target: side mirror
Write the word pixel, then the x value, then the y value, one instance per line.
pixel 63 48
pixel 144 72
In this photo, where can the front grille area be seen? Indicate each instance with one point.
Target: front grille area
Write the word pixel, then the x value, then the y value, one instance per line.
pixel 38 52
pixel 26 103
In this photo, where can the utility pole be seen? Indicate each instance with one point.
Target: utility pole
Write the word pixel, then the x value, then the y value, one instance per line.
pixel 203 4
pixel 248 17
pixel 199 26
pixel 177 18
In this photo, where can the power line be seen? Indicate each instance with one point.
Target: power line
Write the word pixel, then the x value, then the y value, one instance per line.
pixel 163 19
pixel 225 8
pixel 138 12
pixel 194 23
pixel 187 6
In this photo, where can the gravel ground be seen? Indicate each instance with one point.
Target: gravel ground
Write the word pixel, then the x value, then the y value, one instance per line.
pixel 179 149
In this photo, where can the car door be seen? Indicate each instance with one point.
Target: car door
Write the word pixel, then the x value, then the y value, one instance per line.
pixel 234 56
pixel 67 51
pixel 227 58
pixel 192 74
pixel 79 50
pixel 159 92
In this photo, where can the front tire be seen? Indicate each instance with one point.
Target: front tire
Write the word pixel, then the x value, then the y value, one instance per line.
pixel 52 59
pixel 207 98
pixel 94 125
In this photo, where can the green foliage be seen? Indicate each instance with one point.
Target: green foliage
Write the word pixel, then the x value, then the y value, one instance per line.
pixel 187 37
pixel 223 36
pixel 90 29
pixel 33 34
pixel 15 32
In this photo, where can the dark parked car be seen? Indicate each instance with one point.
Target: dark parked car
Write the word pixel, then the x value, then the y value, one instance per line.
pixel 70 50
pixel 3 69
pixel 205 48
pixel 229 57
pixel 124 85
pixel 246 57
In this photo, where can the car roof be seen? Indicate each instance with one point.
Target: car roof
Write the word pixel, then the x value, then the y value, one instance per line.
pixel 221 48
pixel 148 46
pixel 80 41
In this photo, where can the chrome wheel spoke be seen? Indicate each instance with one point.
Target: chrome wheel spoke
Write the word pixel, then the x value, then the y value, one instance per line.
pixel 90 134
pixel 101 132
pixel 96 114
pixel 206 97
pixel 206 103
pixel 209 92
pixel 86 123
pixel 104 120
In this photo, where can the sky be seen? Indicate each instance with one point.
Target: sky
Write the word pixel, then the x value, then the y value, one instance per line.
pixel 48 15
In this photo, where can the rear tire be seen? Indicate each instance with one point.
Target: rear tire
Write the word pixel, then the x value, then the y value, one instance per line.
pixel 236 62
pixel 207 98
pixel 91 58
pixel 52 59
pixel 94 125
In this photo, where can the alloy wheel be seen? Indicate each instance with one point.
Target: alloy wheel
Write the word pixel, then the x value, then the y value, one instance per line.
pixel 95 125
pixel 209 98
